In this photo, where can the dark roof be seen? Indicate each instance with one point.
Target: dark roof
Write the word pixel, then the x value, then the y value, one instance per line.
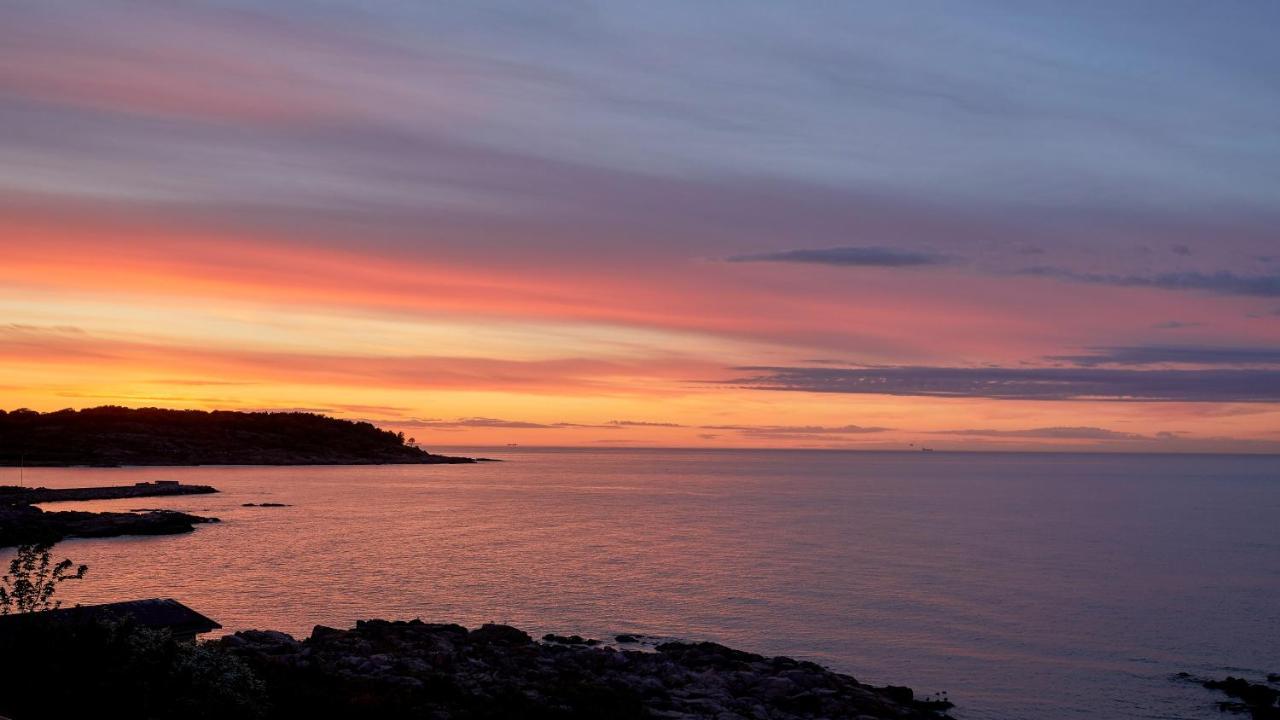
pixel 157 613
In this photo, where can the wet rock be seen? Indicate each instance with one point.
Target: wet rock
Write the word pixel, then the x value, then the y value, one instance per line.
pixel 570 640
pixel 1260 701
pixel 774 687
pixel 273 639
pixel 501 635
pixel 899 693
pixel 323 631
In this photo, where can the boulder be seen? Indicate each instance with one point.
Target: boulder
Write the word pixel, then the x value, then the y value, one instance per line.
pixel 500 635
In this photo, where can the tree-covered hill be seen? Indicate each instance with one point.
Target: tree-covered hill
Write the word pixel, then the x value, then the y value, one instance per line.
pixel 112 435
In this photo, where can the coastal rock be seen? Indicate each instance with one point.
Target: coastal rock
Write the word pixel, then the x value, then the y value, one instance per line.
pixel 383 669
pixel 1260 701
pixel 569 640
pixel 501 635
pixel 23 524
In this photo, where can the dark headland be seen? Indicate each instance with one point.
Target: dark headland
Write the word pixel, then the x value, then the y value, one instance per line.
pixel 114 436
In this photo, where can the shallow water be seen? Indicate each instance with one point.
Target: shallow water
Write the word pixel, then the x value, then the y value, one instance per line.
pixel 1028 586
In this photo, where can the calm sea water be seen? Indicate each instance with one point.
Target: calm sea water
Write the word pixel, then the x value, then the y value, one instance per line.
pixel 1028 586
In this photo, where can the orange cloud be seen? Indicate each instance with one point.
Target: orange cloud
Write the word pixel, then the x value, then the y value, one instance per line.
pixel 611 341
pixel 943 313
pixel 61 348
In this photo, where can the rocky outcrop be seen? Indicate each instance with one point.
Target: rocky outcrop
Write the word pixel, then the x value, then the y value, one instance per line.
pixel 23 524
pixel 384 669
pixel 1260 701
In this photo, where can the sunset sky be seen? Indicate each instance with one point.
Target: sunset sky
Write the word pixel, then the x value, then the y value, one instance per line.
pixel 881 225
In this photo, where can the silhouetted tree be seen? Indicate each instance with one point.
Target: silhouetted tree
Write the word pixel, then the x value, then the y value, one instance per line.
pixel 33 579
pixel 116 667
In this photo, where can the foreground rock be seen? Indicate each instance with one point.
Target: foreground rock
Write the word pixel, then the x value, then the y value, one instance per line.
pixel 384 669
pixel 23 524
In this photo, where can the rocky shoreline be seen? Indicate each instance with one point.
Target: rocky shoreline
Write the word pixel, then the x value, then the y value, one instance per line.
pixel 414 669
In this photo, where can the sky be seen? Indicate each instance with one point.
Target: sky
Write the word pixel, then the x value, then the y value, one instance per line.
pixel 875 225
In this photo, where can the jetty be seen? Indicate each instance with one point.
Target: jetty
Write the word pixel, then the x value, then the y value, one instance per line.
pixel 17 495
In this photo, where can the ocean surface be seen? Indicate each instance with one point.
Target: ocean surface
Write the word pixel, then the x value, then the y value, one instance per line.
pixel 1025 585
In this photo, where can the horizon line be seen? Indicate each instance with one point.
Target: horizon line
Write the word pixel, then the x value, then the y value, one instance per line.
pixel 916 451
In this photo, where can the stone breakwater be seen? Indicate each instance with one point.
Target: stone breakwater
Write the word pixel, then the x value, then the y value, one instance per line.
pixel 15 495
pixel 413 669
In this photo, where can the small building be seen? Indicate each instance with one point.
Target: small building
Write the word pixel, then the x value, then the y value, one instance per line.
pixel 158 614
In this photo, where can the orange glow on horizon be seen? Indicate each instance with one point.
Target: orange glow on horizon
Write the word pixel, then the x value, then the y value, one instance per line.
pixel 570 357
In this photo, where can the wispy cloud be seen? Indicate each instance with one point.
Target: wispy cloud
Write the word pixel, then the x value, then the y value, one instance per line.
pixel 1231 385
pixel 197 382
pixel 1097 438
pixel 484 422
pixel 1175 325
pixel 165 358
pixel 786 432
pixel 870 256
pixel 1179 355
pixel 1050 433
pixel 1221 282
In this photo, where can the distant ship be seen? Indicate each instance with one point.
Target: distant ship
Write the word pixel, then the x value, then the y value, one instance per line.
pixel 925 449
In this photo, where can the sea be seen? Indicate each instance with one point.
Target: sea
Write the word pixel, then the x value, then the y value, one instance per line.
pixel 1047 586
